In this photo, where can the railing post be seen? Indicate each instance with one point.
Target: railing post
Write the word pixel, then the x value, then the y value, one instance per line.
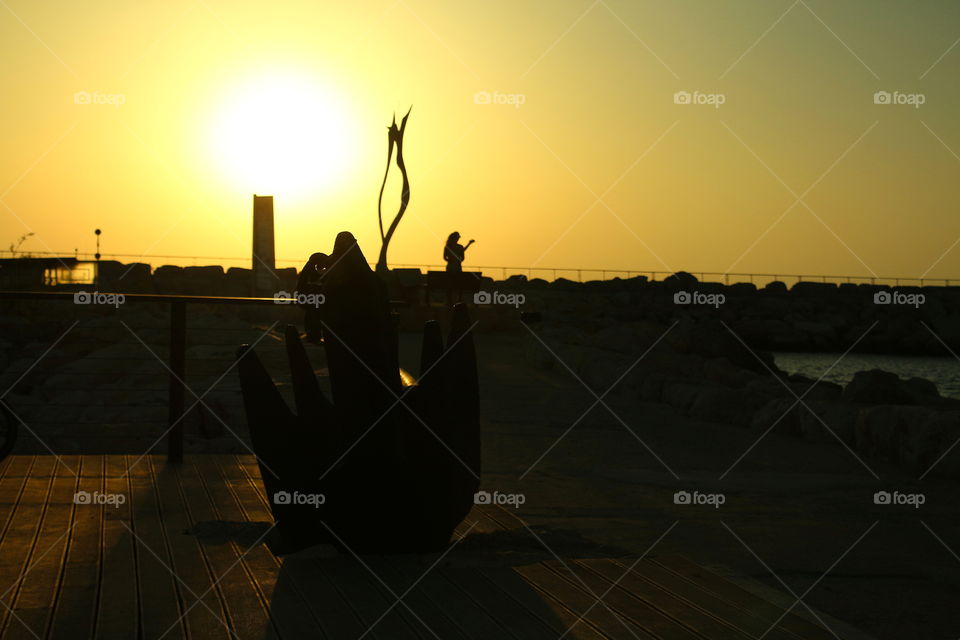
pixel 178 358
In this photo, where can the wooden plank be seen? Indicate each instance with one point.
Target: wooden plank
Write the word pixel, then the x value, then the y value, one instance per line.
pixel 366 597
pixel 581 603
pixel 75 611
pixel 506 519
pixel 637 609
pixel 16 470
pixel 679 609
pixel 471 618
pixel 480 521
pixel 203 613
pixel 16 466
pixel 119 601
pixel 246 610
pixel 34 603
pixel 161 601
pixel 247 488
pixel 19 540
pixel 517 620
pixel 400 572
pixel 743 619
pixel 740 597
pixel 286 607
pixel 556 616
pixel 337 617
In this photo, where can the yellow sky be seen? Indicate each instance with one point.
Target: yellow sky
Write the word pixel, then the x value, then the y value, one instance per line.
pixel 798 171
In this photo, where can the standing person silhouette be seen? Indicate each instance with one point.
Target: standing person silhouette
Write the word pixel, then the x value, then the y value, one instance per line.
pixel 454 254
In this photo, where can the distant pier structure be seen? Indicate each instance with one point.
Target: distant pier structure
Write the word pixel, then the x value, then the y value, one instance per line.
pixel 265 280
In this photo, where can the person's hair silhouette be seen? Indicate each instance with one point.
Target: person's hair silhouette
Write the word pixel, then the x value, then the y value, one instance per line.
pixel 454 252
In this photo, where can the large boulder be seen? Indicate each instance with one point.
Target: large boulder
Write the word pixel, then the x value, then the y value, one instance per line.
pixel 721 404
pixel 806 288
pixel 918 438
pixel 882 387
pixel 168 278
pixel 680 281
pixel 814 420
pixel 203 281
pixel 722 371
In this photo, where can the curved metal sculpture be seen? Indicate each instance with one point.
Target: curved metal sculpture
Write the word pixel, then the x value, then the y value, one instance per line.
pixel 394 138
pixel 383 468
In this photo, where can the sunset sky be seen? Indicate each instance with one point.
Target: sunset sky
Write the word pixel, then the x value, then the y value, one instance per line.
pixel 582 158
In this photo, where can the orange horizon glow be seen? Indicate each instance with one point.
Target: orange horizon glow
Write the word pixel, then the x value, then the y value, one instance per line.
pixel 556 134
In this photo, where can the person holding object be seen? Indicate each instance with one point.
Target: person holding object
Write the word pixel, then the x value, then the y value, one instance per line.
pixel 454 254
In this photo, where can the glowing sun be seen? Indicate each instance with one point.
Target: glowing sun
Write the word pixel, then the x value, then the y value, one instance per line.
pixel 283 134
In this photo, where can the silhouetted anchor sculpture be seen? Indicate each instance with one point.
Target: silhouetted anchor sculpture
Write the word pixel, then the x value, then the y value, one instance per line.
pixel 397 466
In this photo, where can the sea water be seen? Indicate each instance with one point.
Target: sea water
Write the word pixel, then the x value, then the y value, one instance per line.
pixel 942 371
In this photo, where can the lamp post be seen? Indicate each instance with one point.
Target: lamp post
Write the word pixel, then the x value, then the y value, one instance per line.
pixel 96 256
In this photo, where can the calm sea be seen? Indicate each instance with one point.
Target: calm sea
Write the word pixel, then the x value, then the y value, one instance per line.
pixel 944 372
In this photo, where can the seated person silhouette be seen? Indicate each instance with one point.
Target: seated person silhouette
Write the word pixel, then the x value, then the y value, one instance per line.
pixel 454 254
pixel 310 282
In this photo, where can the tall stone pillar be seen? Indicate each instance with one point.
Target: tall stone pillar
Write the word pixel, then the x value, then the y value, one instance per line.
pixel 265 281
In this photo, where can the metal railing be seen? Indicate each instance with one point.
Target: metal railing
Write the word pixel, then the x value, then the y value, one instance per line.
pixel 554 272
pixel 703 276
pixel 176 356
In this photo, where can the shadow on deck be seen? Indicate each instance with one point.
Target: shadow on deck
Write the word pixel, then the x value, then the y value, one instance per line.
pixel 155 551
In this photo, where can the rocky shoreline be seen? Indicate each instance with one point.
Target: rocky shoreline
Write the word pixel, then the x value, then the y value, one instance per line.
pixel 706 363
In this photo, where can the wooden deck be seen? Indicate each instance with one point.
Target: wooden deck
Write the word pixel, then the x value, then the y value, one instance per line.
pixel 183 557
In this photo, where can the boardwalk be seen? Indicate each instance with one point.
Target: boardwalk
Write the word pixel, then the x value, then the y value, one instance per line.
pixel 183 556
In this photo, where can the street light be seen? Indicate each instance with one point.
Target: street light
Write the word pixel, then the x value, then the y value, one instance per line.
pixel 96 256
